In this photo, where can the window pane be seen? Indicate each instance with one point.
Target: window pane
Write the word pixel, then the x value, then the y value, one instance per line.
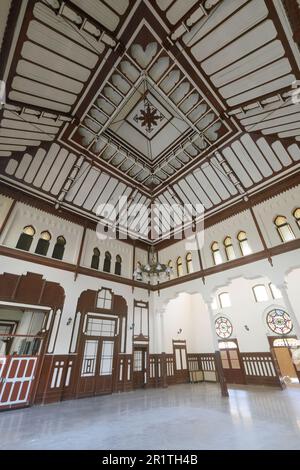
pixel 100 327
pixel 225 300
pixel 286 233
pixel 245 248
pixel 107 358
pixel 217 257
pixel 260 293
pixel 137 361
pixel 89 358
pixel 230 252
pixel 276 294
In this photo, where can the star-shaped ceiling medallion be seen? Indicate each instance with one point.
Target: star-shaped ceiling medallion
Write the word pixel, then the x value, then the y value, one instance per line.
pixel 148 117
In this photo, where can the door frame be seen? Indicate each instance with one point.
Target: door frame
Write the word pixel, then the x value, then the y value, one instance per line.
pixel 242 368
pixel 144 347
pixel 271 340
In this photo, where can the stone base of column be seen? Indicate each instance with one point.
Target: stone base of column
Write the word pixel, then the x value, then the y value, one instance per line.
pixel 220 374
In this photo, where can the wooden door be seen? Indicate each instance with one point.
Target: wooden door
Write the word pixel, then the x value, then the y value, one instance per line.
pixel 285 362
pixel 181 372
pixel 140 359
pixel 97 366
pixel 232 365
pixel 16 380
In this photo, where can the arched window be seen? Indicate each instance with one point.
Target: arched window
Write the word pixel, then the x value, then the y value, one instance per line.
pixel 284 229
pixel 26 237
pixel 95 258
pixel 107 262
pixel 224 300
pixel 118 265
pixel 179 266
pixel 276 294
pixel 216 253
pixel 244 245
pixel 59 248
pixel 43 243
pixel 296 214
pixel 230 254
pixel 279 321
pixel 104 299
pixel 189 263
pixel 260 293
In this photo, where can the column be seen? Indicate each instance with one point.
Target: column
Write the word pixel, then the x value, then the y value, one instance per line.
pixel 218 361
pixel 284 291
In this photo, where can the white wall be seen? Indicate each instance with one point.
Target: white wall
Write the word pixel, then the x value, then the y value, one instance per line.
pixel 5 204
pixel 115 247
pixel 23 215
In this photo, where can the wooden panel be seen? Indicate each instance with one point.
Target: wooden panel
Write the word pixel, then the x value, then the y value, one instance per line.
pixel 260 369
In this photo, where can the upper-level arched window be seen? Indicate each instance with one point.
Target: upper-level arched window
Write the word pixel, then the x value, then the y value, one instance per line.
pixel 179 266
pixel 216 253
pixel 107 262
pixel 26 237
pixel 284 229
pixel 224 300
pixel 189 263
pixel 296 214
pixel 244 244
pixel 230 254
pixel 43 243
pixel 260 293
pixel 276 293
pixel 59 248
pixel 118 265
pixel 95 258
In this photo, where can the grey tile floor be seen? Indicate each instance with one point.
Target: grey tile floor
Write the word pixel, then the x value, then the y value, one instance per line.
pixel 179 417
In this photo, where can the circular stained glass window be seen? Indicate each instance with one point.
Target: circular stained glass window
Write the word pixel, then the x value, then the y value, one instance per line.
pixel 279 321
pixel 223 327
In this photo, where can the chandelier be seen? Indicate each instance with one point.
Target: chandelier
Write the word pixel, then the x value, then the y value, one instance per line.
pixel 153 270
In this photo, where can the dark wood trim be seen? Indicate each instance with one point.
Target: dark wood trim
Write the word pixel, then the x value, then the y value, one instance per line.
pixel 80 253
pixel 220 374
pixel 33 258
pixel 62 265
pixel 9 34
pixel 62 213
pixel 244 260
pixel 274 189
pixel 260 235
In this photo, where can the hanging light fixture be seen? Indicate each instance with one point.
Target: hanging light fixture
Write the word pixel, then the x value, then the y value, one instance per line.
pixel 153 270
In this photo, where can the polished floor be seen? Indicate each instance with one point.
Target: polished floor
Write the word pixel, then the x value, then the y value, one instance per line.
pixel 179 417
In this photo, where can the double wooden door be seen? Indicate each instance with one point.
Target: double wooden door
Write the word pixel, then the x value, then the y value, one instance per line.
pixel 232 364
pixel 97 366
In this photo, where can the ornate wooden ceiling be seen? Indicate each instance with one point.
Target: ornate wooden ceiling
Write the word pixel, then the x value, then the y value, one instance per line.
pixel 84 80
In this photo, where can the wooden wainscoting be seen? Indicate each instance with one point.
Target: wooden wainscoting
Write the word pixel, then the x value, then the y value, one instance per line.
pixel 195 368
pixel 208 366
pixel 260 369
pixel 123 380
pixel 56 379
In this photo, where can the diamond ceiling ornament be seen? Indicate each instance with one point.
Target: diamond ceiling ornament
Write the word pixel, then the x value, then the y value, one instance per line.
pixel 149 116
